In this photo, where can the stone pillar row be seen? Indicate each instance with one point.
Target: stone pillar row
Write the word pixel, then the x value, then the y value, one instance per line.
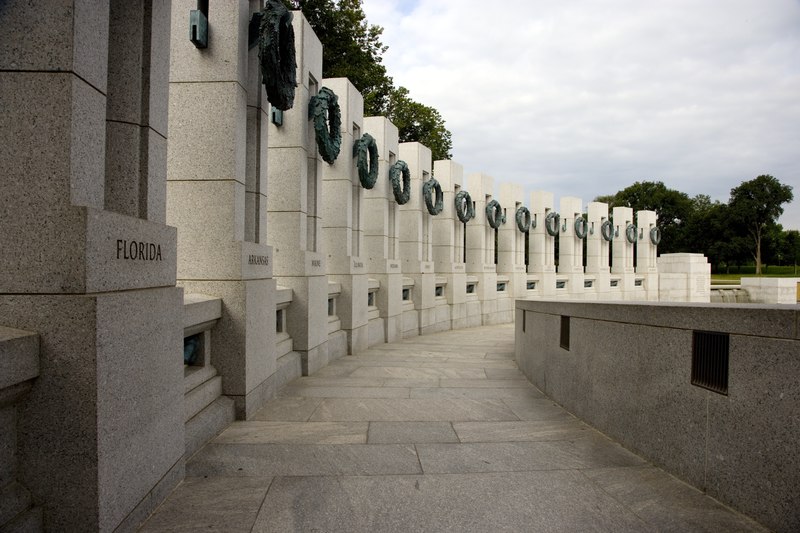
pixel 144 173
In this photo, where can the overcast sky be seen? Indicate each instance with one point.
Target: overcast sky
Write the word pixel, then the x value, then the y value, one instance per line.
pixel 585 97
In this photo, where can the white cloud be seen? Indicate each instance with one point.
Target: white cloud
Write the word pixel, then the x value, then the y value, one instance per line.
pixel 584 97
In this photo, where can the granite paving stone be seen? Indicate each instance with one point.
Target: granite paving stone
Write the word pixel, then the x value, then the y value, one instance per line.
pixel 434 433
pixel 513 501
pixel 410 432
pixel 257 432
pixel 419 410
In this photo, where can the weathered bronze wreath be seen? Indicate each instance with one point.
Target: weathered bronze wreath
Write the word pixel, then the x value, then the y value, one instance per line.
pixel 630 233
pixel 551 223
pixel 401 195
pixel 465 211
pixel 581 227
pixel 494 214
pixel 655 235
pixel 523 218
pixel 365 150
pixel 276 54
pixel 607 230
pixel 324 110
pixel 433 208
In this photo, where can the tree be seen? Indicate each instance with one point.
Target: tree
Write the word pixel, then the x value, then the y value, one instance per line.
pixel 420 123
pixel 672 209
pixel 352 49
pixel 756 205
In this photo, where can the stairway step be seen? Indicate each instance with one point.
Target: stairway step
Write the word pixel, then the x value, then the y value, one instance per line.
pixel 201 396
pixel 208 423
pixel 194 376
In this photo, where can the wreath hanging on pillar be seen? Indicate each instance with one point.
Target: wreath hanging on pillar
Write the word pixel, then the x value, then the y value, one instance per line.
pixel 433 208
pixel 401 195
pixel 324 110
pixel 581 227
pixel 607 230
pixel 630 233
pixel 655 235
pixel 365 150
pixel 276 54
pixel 494 214
pixel 523 218
pixel 551 223
pixel 465 211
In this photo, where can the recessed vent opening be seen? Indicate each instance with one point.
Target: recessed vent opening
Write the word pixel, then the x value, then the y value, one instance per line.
pixel 710 354
pixel 564 342
pixel 531 285
pixel 439 291
pixel 406 295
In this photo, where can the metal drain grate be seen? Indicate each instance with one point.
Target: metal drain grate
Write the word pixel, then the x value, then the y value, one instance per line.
pixel 710 360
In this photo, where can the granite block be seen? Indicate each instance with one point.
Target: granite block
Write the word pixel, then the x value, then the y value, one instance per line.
pixel 19 356
pixel 207 424
pixel 261 460
pixel 208 131
pixel 123 170
pixel 519 393
pixel 343 391
pixel 542 430
pixel 225 59
pixel 495 457
pixel 753 463
pixel 28 42
pixel 201 397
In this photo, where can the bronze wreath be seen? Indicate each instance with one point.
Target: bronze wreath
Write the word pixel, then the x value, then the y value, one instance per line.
pixel 551 223
pixel 433 208
pixel 276 54
pixel 365 150
pixel 324 107
pixel 607 230
pixel 401 195
pixel 523 218
pixel 494 214
pixel 581 227
pixel 630 233
pixel 655 235
pixel 465 211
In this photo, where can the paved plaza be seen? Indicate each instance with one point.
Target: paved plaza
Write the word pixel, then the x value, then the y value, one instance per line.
pixel 435 433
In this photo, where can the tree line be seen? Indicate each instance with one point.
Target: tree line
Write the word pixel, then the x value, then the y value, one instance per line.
pixel 352 48
pixel 739 232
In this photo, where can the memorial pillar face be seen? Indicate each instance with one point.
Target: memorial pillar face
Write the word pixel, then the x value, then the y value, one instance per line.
pixel 294 207
pixel 541 263
pixel 570 246
pixel 416 250
pixel 448 243
pixel 217 194
pixel 87 261
pixel 511 242
pixel 481 266
pixel 622 251
pixel 597 251
pixel 648 236
pixel 341 221
pixel 380 225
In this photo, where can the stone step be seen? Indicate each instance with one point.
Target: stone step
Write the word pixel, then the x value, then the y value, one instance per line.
pixel 15 502
pixel 194 376
pixel 201 396
pixel 208 423
pixel 289 368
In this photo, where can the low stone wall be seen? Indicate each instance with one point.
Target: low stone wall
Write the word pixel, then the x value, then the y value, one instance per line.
pixel 626 369
pixel 772 290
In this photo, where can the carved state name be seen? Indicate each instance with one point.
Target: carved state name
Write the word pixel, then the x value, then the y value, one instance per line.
pixel 138 251
pixel 316 262
pixel 257 260
pixel 357 264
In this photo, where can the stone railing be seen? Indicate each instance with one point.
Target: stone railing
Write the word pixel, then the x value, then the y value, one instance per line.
pixel 708 392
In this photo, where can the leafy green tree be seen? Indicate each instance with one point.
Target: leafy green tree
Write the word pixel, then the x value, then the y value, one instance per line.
pixel 672 208
pixel 420 123
pixel 756 205
pixel 352 48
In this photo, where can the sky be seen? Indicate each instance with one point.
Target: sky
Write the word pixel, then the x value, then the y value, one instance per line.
pixel 585 97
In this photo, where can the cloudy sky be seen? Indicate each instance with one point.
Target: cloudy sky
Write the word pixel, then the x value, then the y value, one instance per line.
pixel 585 97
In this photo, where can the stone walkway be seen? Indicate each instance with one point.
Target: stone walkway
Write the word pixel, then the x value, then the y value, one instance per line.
pixel 436 433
